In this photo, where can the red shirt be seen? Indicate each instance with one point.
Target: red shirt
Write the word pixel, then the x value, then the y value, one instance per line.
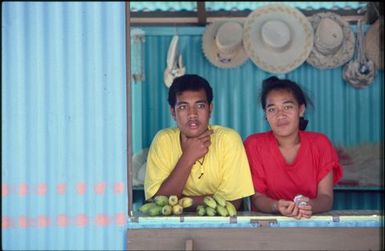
pixel 275 178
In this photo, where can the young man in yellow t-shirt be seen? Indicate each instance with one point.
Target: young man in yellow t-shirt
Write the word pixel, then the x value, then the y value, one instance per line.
pixel 196 159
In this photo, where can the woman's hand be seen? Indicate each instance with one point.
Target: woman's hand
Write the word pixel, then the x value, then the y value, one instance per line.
pixel 290 209
pixel 305 209
pixel 287 208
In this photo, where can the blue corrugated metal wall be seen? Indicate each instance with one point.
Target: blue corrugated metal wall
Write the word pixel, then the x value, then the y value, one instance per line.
pixel 63 126
pixel 347 115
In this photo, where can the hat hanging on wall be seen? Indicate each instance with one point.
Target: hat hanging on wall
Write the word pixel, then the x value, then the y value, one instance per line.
pixel 359 72
pixel 222 44
pixel 333 41
pixel 277 38
pixel 374 49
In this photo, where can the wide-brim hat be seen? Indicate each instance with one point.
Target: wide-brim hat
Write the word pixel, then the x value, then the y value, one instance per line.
pixel 277 38
pixel 222 44
pixel 330 28
pixel 374 49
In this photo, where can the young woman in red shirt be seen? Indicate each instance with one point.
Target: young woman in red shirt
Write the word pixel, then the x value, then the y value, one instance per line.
pixel 287 161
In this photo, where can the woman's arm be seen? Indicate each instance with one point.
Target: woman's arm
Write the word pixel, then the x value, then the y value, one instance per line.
pixel 265 204
pixel 324 200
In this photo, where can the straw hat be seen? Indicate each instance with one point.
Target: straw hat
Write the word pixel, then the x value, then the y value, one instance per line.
pixel 333 41
pixel 277 38
pixel 222 44
pixel 374 49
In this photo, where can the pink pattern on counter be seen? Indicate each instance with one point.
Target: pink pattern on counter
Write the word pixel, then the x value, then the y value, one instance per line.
pixel 43 221
pixel 42 189
pixel 23 221
pixel 118 187
pixel 5 222
pixel 61 188
pixel 99 188
pixel 62 220
pixel 4 190
pixel 81 220
pixel 120 219
pixel 102 220
pixel 81 188
pixel 23 189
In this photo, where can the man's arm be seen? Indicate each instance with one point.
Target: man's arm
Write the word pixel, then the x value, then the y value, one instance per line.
pixel 175 182
pixel 193 149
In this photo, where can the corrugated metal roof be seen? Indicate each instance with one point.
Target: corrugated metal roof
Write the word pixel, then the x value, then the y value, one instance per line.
pixel 239 6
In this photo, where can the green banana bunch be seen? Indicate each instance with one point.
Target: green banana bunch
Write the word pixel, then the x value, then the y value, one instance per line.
pixel 201 211
pixel 173 200
pixel 216 205
pixel 186 202
pixel 231 208
pixel 177 209
pixel 167 210
pixel 210 211
pixel 155 210
pixel 161 200
pixel 209 201
pixel 145 207
pixel 219 199
pixel 222 211
pixel 166 205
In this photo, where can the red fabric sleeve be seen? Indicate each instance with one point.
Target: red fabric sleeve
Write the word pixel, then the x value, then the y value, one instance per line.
pixel 256 168
pixel 329 160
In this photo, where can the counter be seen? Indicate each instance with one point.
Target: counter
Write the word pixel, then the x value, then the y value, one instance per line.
pixel 335 230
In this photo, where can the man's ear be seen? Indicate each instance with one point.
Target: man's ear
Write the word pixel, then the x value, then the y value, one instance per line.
pixel 211 107
pixel 302 110
pixel 172 111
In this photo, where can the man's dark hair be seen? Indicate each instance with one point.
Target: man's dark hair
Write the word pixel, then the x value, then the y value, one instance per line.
pixel 189 82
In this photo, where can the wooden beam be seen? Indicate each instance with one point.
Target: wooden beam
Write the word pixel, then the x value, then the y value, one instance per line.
pixel 201 13
pixel 203 17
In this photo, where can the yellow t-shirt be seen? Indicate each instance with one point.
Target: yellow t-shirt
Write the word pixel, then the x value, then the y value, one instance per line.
pixel 225 167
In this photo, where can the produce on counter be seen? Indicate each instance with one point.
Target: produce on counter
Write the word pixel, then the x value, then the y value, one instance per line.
pixel 186 202
pixel 173 200
pixel 216 205
pixel 201 210
pixel 170 205
pixel 166 205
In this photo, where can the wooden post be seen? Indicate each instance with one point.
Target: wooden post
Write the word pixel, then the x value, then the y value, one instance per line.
pixel 201 13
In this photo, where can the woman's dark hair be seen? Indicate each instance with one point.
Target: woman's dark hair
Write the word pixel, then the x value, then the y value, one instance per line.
pixel 273 83
pixel 189 82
